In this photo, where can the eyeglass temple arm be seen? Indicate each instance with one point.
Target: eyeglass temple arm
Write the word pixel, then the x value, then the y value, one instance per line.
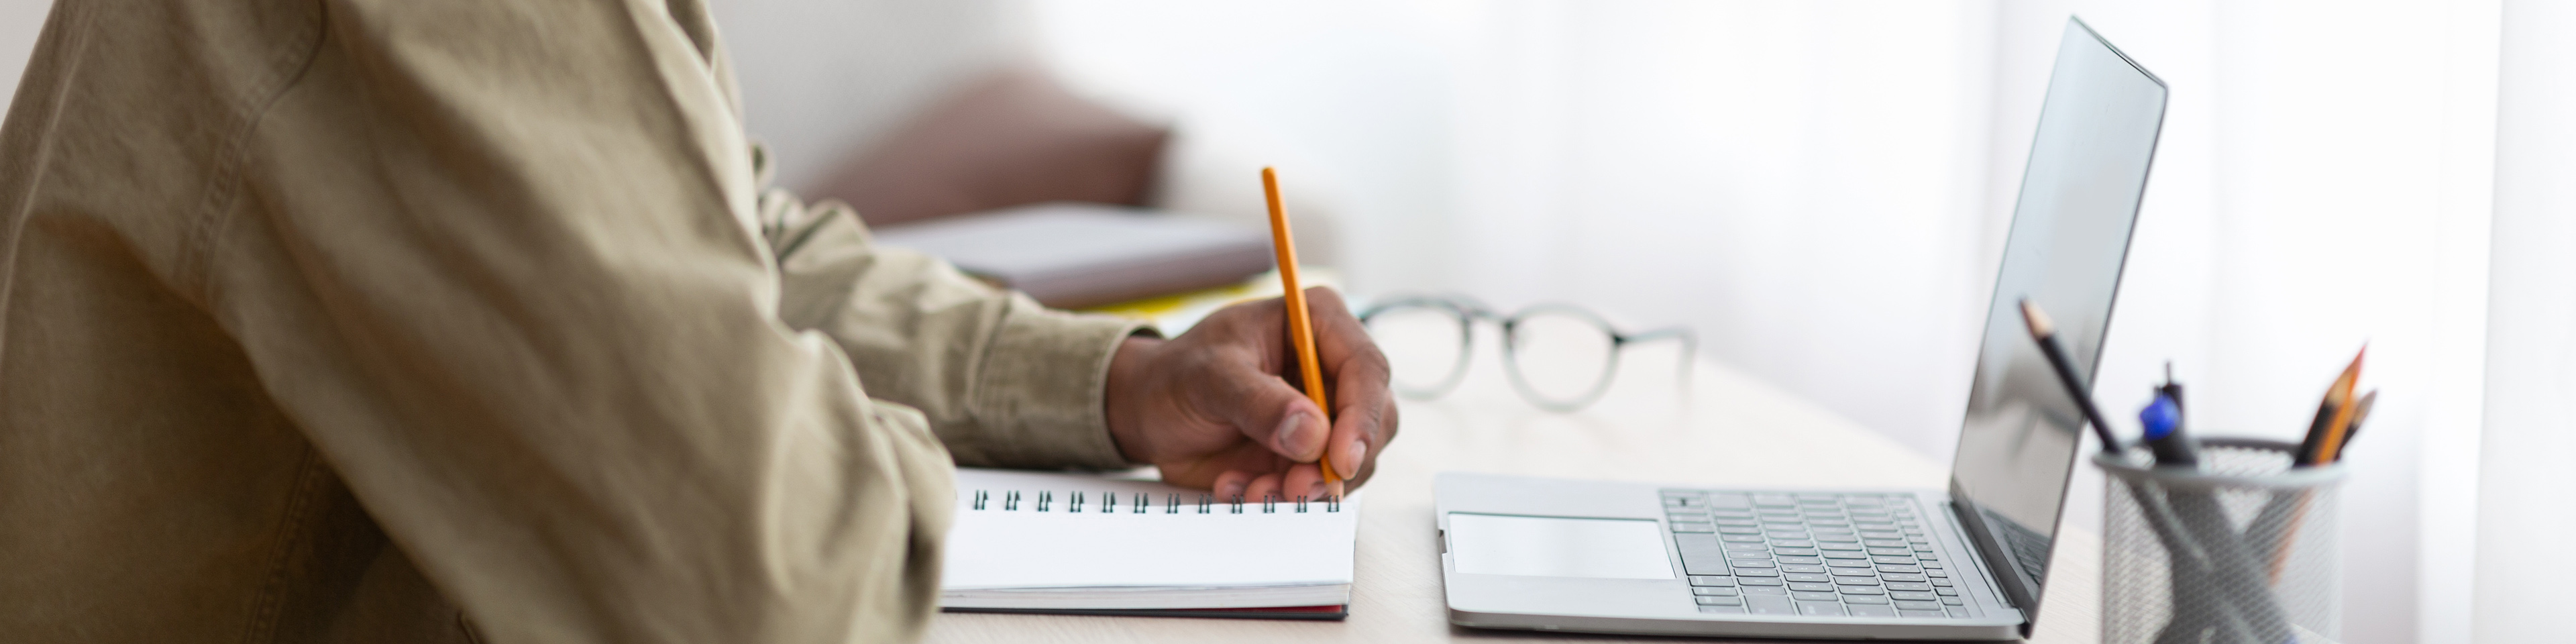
pixel 1468 309
pixel 1690 345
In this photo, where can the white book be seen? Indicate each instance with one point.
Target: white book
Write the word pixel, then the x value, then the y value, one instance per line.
pixel 1053 542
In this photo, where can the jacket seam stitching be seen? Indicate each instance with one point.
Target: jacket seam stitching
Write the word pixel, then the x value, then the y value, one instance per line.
pixel 195 272
pixel 224 184
pixel 270 602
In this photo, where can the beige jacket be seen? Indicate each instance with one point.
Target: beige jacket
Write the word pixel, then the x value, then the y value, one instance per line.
pixel 370 320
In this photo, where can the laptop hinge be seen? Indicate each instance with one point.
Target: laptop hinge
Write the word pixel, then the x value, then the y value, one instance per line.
pixel 1977 556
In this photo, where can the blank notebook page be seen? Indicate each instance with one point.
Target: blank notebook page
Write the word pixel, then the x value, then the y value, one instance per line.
pixel 1017 545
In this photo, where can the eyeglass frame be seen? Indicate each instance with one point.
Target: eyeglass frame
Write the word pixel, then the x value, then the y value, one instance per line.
pixel 1468 310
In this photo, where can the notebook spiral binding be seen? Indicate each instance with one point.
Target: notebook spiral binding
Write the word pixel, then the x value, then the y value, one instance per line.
pixel 1143 503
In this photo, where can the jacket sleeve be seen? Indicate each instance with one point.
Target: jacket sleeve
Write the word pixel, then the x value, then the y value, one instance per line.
pixel 528 314
pixel 1004 381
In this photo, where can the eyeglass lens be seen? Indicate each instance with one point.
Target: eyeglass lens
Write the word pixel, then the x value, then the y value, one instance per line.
pixel 1425 346
pixel 1561 357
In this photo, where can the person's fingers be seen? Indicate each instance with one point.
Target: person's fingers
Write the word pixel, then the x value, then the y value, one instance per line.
pixel 1263 486
pixel 1350 444
pixel 1339 336
pixel 1385 435
pixel 1302 480
pixel 1363 404
pixel 1361 420
pixel 1231 484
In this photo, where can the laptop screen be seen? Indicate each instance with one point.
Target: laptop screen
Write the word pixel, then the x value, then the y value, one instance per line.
pixel 2070 232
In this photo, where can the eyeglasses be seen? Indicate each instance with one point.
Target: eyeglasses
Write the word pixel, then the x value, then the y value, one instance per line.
pixel 1559 356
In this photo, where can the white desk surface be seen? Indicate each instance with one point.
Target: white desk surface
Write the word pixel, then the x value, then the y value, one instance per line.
pixel 1726 430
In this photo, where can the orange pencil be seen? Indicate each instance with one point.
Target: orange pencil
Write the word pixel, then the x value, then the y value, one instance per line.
pixel 2332 449
pixel 2320 430
pixel 2324 445
pixel 1301 325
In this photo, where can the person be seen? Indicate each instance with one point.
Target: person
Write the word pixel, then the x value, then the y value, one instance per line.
pixel 391 321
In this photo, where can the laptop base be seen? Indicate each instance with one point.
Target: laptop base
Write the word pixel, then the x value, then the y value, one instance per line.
pixel 1572 566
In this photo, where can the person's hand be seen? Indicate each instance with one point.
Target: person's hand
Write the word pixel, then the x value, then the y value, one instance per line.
pixel 1214 408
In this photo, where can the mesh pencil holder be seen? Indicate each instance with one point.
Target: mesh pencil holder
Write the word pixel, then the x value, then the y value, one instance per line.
pixel 2240 551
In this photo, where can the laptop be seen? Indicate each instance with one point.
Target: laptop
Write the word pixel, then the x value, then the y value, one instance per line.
pixel 1966 563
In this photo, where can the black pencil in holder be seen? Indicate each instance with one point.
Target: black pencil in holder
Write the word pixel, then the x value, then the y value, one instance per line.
pixel 2240 550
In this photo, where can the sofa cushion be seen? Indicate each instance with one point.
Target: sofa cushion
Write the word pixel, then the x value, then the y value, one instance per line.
pixel 1010 137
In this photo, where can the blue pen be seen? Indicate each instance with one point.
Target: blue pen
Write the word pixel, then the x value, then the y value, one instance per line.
pixel 2165 436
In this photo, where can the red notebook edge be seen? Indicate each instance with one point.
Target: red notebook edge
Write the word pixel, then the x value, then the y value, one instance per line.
pixel 1329 612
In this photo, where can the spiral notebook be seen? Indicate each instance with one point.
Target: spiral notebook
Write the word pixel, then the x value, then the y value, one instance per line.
pixel 1036 542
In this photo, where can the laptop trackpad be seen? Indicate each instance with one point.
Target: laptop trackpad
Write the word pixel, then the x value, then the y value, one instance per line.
pixel 1497 544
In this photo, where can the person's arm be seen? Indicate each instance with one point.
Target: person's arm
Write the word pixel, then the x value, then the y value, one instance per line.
pixel 499 262
pixel 1004 381
pixel 1007 382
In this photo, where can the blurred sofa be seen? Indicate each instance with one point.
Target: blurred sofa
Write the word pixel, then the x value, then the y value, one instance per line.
pixel 915 109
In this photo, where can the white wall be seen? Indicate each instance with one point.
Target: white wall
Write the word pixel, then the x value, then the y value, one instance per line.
pixel 830 76
pixel 19 22
pixel 2531 351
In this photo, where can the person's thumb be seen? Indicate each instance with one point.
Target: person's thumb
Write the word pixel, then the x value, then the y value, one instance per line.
pixel 1276 415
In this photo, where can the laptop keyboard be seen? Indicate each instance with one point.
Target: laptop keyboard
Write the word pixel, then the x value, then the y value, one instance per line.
pixel 1858 554
pixel 2030 549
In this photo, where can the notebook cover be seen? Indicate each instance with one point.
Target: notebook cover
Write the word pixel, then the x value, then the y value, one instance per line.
pixel 1030 531
pixel 1332 613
